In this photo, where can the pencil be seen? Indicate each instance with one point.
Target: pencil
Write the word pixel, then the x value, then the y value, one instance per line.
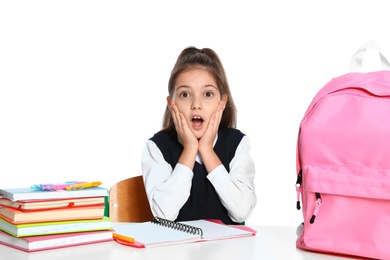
pixel 123 238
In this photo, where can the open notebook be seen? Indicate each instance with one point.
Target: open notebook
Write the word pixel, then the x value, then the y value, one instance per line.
pixel 161 232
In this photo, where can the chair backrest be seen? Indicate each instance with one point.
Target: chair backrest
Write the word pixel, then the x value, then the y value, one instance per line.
pixel 128 201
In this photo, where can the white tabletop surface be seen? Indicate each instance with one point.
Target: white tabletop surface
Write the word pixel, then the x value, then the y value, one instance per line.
pixel 271 242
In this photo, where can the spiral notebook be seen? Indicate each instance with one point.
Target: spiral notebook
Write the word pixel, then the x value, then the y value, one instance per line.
pixel 161 232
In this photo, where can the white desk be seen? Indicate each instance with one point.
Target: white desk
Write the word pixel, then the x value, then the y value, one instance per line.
pixel 270 243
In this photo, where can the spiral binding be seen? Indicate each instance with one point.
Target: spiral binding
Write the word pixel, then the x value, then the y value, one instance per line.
pixel 178 226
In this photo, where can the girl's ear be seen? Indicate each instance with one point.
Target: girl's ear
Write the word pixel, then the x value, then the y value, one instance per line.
pixel 225 97
pixel 169 101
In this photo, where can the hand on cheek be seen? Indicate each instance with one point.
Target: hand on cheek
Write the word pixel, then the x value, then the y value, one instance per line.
pixel 212 128
pixel 183 131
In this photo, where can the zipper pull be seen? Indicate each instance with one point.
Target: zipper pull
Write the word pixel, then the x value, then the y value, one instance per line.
pixel 298 189
pixel 318 205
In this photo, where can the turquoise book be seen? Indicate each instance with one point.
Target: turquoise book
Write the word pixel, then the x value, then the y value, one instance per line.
pixel 32 194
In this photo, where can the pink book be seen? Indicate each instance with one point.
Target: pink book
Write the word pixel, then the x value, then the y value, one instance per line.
pixel 29 205
pixel 39 243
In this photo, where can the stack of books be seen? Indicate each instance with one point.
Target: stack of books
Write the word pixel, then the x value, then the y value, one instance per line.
pixel 34 220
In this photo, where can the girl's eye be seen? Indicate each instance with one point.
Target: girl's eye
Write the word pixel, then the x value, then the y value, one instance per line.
pixel 209 94
pixel 184 94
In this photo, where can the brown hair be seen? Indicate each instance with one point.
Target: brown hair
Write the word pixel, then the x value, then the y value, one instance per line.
pixel 193 58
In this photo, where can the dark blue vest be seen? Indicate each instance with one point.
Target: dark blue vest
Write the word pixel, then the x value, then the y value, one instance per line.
pixel 203 202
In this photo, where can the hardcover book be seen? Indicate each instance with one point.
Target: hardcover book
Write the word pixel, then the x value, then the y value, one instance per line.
pixel 25 205
pixel 39 243
pixel 56 227
pixel 15 216
pixel 31 194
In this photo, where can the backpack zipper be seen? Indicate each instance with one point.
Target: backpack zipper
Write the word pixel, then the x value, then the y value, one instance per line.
pixel 318 205
pixel 299 194
pixel 298 189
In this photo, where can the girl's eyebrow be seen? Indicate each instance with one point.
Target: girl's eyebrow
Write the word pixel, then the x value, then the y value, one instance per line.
pixel 210 85
pixel 188 87
pixel 182 86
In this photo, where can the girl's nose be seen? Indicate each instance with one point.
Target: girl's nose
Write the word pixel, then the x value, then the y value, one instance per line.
pixel 196 104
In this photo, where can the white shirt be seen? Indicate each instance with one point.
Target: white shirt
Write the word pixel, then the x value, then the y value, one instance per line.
pixel 168 189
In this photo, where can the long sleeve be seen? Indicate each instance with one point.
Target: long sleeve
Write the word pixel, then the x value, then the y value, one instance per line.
pixel 167 189
pixel 236 188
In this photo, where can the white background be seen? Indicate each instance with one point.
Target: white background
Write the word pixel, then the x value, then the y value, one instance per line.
pixel 83 84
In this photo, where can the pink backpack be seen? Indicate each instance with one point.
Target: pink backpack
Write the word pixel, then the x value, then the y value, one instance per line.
pixel 343 164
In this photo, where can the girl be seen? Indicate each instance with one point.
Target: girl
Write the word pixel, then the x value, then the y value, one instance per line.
pixel 198 166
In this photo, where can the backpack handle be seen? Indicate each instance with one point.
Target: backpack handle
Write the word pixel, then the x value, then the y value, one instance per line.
pixel 357 58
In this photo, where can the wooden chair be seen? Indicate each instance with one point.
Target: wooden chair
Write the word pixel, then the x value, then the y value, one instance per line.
pixel 128 201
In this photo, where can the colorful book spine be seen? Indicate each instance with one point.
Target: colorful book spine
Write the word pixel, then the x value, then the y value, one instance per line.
pixel 53 220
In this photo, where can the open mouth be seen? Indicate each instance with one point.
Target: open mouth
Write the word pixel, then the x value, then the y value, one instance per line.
pixel 197 121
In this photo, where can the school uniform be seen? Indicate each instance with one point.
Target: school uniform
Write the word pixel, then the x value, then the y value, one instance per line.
pixel 178 193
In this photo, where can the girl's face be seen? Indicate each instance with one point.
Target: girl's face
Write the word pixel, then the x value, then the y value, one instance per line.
pixel 197 96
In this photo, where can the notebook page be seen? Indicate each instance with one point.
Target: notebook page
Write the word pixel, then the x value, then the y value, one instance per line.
pixel 151 234
pixel 214 231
